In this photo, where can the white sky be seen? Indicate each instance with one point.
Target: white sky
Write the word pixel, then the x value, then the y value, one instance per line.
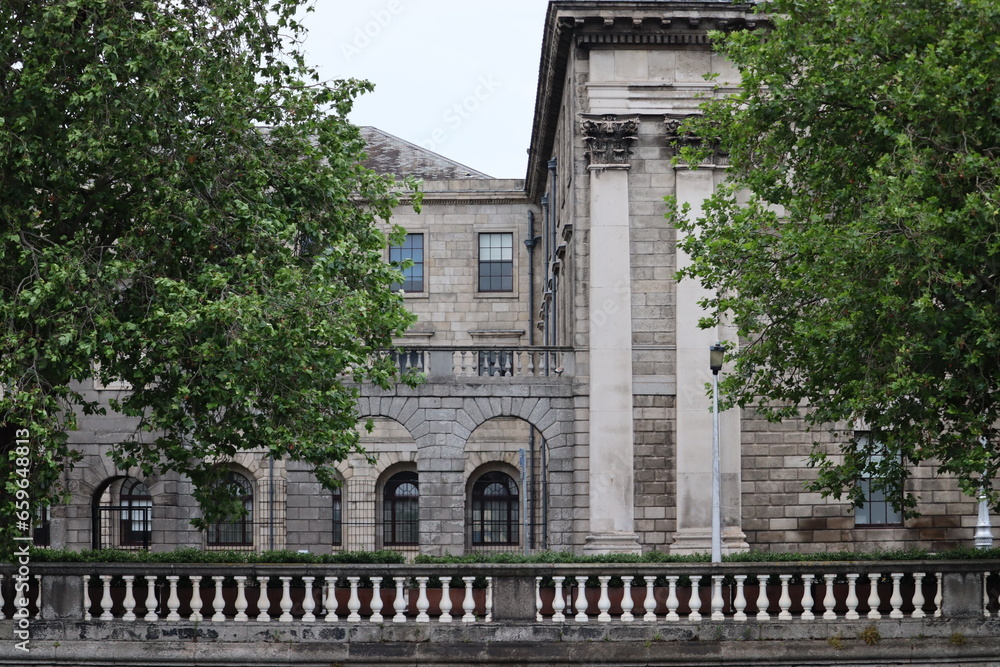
pixel 455 76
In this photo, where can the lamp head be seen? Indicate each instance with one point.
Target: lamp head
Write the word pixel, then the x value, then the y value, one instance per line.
pixel 716 355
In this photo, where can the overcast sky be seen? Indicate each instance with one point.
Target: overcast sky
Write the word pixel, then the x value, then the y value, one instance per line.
pixel 455 76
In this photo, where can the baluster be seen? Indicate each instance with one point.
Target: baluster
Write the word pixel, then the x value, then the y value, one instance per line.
pixel 489 600
pixel 830 598
pixel 38 596
pixel 19 601
pixel 628 604
pixel 937 596
pixel 423 604
pixel 446 600
pixel 581 600
pixel 241 598
pixel 604 602
pixel 918 595
pixel 538 599
pixel 469 603
pixel 558 602
pixel 196 603
pixel 263 601
pixel 86 598
pixel 717 601
pixel 150 598
pixel 128 602
pixel 672 602
pixel 695 602
pixel 3 616
pixel 531 363
pixel 897 596
pixel 762 601
pixel 516 362
pixel 106 614
pixel 354 602
pixel 399 604
pixel 173 602
pixel 308 601
pixel 218 603
pixel 852 598
pixel 807 597
pixel 330 603
pixel 376 605
pixel 986 595
pixel 873 596
pixel 740 602
pixel 785 600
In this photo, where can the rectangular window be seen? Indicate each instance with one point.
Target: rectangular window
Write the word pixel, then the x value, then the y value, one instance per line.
pixel 496 262
pixel 413 275
pixel 877 510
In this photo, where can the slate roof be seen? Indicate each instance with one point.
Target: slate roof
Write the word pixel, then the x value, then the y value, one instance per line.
pixel 388 154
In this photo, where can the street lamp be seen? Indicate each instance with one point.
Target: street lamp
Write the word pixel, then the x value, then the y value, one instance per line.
pixel 716 354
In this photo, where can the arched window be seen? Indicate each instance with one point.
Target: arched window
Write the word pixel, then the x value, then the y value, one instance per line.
pixel 401 510
pixel 122 515
pixel 238 532
pixel 495 510
pixel 136 514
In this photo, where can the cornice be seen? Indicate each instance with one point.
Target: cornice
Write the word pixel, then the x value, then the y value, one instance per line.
pixel 588 24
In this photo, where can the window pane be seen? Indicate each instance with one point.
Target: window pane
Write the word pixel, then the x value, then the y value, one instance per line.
pixel 496 262
pixel 413 276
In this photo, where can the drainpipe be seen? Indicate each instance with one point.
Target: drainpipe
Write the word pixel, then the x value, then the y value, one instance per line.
pixel 530 243
pixel 545 274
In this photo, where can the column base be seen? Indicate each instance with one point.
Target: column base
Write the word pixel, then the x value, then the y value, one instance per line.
pixel 612 543
pixel 689 541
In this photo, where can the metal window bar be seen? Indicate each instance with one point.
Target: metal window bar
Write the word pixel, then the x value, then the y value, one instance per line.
pixel 123 527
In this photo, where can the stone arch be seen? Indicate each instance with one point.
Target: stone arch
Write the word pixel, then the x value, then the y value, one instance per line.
pixel 552 418
pixel 402 409
pixel 496 440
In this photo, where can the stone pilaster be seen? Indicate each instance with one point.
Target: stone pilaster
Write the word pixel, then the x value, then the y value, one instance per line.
pixel 694 415
pixel 612 525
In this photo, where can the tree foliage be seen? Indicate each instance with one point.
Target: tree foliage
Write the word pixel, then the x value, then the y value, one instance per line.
pixel 856 249
pixel 183 209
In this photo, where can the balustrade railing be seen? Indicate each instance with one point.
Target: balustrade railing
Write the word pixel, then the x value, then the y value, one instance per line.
pixel 486 361
pixel 549 593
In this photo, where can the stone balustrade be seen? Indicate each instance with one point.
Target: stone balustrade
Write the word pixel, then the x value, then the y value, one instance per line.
pixel 544 593
pixel 487 362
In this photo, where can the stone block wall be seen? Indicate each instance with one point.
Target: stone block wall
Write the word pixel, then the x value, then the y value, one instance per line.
pixel 655 467
pixel 451 309
pixel 779 514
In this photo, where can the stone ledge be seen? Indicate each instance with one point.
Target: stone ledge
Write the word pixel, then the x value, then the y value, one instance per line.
pixel 273 644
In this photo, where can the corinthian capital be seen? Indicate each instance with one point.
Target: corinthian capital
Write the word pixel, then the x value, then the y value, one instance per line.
pixel 609 139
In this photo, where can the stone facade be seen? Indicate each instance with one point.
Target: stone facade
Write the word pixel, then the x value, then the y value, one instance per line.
pixel 582 381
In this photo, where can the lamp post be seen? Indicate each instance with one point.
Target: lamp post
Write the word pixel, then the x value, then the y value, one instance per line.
pixel 716 354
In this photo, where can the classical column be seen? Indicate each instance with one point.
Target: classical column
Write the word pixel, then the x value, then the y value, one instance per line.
pixel 694 403
pixel 612 513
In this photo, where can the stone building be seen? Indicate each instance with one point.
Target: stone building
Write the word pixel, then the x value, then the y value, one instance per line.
pixel 565 404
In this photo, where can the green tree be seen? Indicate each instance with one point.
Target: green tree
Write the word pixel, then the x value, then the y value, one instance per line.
pixel 183 209
pixel 856 249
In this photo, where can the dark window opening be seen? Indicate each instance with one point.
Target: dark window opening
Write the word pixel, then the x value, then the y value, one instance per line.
pixel 495 510
pixel 496 262
pixel 413 275
pixel 401 510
